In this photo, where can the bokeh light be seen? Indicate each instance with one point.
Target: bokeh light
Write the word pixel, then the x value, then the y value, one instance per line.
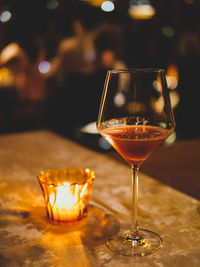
pixel 52 4
pixel 107 6
pixel 141 9
pixel 44 67
pixel 168 31
pixel 5 16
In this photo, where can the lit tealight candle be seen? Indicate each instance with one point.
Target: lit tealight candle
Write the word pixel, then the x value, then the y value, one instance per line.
pixel 66 193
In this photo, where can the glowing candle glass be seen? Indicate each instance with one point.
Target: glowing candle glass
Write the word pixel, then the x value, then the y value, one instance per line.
pixel 66 193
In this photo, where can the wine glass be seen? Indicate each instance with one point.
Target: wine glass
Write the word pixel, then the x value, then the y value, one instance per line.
pixel 135 116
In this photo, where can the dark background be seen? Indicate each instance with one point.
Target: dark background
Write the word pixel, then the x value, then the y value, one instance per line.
pixel 172 36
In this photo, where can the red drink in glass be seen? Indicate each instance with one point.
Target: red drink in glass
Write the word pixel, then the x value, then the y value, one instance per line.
pixel 135 142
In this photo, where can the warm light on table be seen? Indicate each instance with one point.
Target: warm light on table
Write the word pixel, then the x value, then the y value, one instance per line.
pixel 66 193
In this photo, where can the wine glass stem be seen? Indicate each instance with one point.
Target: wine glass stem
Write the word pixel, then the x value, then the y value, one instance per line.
pixel 134 214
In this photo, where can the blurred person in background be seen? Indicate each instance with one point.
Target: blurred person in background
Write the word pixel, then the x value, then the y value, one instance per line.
pixel 70 82
pixel 76 78
pixel 109 47
pixel 24 92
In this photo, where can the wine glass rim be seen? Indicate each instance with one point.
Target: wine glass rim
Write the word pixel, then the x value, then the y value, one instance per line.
pixel 136 70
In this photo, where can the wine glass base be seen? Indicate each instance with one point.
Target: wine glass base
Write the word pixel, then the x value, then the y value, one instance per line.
pixel 142 243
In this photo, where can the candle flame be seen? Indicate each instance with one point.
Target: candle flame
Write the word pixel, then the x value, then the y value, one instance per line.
pixel 66 201
pixel 83 190
pixel 64 197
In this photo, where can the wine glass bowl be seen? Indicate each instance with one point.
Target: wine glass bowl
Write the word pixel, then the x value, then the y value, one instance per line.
pixel 135 117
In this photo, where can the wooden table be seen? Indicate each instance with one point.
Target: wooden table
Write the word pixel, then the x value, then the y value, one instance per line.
pixel 29 239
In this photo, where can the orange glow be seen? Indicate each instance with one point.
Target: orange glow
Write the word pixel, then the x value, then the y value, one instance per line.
pixel 157 84
pixel 172 71
pixel 10 51
pixel 142 11
pixel 172 76
pixel 158 104
pixel 66 193
pixel 66 202
pixel 96 3
pixel 6 77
